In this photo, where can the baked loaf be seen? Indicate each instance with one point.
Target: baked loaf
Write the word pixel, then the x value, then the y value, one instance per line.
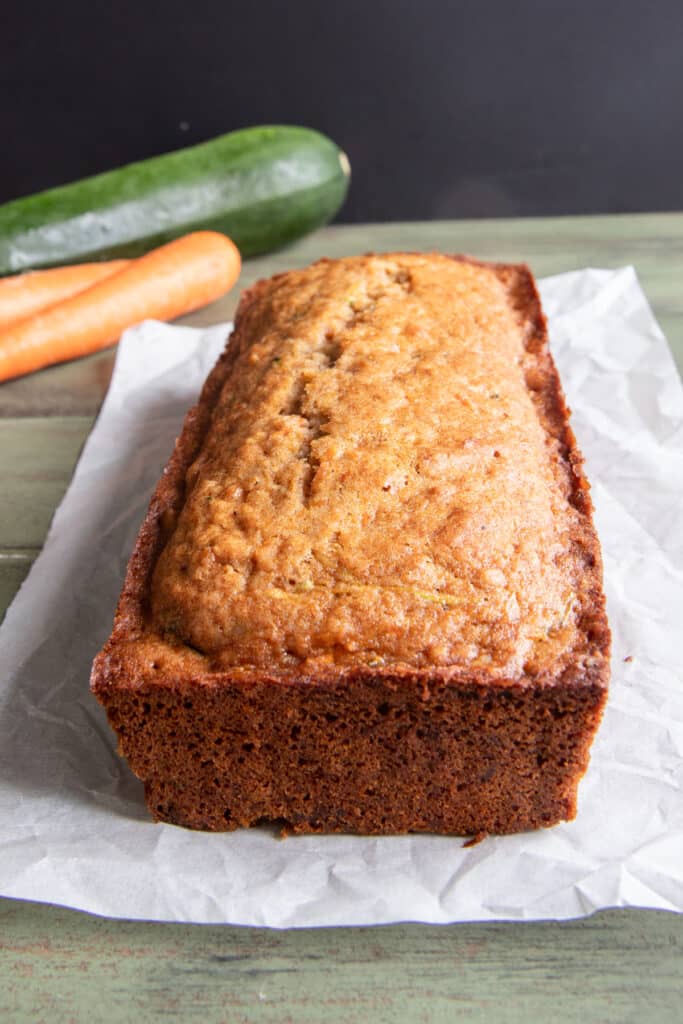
pixel 367 595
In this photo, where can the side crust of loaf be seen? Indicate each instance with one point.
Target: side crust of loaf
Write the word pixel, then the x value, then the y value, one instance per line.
pixel 364 749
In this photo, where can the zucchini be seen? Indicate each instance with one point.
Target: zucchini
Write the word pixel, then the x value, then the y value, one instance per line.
pixel 262 186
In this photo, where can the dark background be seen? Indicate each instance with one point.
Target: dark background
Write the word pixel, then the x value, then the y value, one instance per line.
pixel 445 109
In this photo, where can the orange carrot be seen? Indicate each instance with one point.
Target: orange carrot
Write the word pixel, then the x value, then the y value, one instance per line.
pixel 165 283
pixel 26 294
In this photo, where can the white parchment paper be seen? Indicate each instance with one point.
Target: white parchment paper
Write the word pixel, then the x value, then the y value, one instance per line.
pixel 73 826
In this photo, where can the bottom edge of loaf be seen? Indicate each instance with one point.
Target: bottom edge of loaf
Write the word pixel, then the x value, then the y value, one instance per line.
pixel 456 821
pixel 371 757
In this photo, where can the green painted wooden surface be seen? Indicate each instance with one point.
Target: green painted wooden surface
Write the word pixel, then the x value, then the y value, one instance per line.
pixel 57 964
pixel 37 458
pixel 616 967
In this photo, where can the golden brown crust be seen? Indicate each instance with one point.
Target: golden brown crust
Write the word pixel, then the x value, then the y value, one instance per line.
pixel 162 648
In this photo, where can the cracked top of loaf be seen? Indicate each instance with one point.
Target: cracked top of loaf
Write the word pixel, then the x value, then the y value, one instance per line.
pixel 383 476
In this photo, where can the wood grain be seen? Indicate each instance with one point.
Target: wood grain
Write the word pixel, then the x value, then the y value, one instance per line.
pixel 61 965
pixel 57 964
pixel 37 458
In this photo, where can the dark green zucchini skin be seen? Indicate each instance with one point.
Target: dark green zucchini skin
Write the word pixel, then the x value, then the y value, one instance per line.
pixel 262 186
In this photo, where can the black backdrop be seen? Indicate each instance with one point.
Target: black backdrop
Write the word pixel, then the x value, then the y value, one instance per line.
pixel 446 109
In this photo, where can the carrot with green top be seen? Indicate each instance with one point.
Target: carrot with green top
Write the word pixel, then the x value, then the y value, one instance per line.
pixel 174 279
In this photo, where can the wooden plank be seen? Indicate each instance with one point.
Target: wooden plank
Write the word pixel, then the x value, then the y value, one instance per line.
pixel 76 388
pixel 653 243
pixel 617 966
pixel 14 567
pixel 37 458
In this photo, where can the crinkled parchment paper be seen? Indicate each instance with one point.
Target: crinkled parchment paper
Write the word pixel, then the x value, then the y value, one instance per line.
pixel 74 829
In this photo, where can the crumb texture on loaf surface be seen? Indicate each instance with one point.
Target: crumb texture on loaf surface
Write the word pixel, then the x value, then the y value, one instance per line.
pixel 384 481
